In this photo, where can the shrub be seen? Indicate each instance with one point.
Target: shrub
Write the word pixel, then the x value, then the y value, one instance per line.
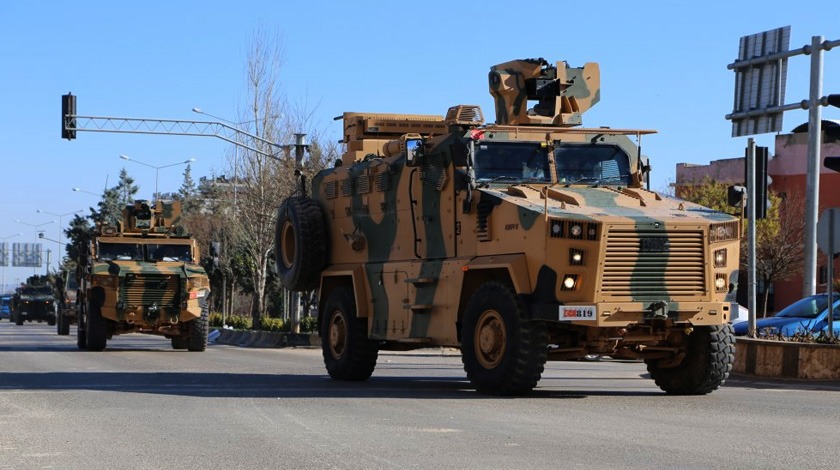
pixel 215 320
pixel 309 325
pixel 801 337
pixel 273 324
pixel 239 322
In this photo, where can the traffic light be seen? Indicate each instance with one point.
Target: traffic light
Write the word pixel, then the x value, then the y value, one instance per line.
pixel 68 108
pixel 832 163
pixel 761 180
pixel 735 194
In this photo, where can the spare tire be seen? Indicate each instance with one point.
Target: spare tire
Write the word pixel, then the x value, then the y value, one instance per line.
pixel 300 241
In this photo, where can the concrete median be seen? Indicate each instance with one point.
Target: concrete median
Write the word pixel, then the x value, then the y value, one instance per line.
pixel 265 339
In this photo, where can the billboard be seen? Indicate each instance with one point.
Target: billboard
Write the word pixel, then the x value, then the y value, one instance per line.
pixel 759 83
pixel 26 255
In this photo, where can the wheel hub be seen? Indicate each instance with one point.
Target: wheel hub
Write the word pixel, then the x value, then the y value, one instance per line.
pixel 289 248
pixel 490 339
pixel 338 335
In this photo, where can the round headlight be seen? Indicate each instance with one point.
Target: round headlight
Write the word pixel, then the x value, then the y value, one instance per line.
pixel 720 283
pixel 576 230
pixel 577 257
pixel 569 282
pixel 555 228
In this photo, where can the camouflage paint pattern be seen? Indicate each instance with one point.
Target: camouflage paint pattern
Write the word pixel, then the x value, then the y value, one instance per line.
pixel 428 235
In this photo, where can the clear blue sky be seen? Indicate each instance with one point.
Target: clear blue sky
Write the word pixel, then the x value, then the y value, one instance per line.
pixel 663 67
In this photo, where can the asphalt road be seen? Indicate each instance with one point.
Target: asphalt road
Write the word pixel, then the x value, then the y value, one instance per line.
pixel 141 405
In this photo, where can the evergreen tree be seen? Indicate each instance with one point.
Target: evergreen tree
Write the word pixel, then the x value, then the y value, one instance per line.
pixel 79 234
pixel 187 193
pixel 126 189
pixel 114 199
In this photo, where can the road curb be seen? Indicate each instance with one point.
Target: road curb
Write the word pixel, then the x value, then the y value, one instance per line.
pixel 784 359
pixel 266 339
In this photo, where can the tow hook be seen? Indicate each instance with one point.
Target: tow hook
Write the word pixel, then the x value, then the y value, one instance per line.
pixel 658 309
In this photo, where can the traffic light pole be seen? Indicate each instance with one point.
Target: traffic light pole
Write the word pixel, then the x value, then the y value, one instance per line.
pixel 812 175
pixel 751 257
pixel 813 104
pixel 72 123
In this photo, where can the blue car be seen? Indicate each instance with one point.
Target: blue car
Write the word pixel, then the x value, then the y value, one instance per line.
pixel 5 307
pixel 805 316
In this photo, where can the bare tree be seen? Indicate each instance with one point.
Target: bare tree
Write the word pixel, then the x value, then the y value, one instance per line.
pixel 779 249
pixel 264 181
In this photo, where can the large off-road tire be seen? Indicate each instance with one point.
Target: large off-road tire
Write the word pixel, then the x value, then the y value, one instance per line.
pixel 62 325
pixel 710 351
pixel 300 243
pixel 197 329
pixel 503 354
pixel 348 353
pixel 51 320
pixel 81 328
pixel 96 328
pixel 18 319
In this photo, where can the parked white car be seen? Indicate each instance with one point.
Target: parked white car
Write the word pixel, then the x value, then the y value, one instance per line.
pixel 738 313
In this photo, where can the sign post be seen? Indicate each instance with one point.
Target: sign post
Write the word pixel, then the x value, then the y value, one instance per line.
pixel 828 239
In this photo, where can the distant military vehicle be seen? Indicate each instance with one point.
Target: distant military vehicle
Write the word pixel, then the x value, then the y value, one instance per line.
pixel 67 307
pixel 520 242
pixel 142 275
pixel 34 302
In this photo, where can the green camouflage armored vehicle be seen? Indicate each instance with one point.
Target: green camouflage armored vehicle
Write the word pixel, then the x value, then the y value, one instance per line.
pixel 519 242
pixel 34 302
pixel 142 276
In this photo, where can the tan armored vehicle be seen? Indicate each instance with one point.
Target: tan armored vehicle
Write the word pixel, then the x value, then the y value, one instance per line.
pixel 142 276
pixel 67 307
pixel 519 242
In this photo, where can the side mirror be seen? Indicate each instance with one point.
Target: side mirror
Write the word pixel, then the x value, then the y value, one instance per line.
pixel 413 152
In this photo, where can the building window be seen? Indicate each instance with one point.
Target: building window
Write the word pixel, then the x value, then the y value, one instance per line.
pixel 823 275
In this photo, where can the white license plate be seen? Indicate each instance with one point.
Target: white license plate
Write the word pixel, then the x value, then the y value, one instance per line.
pixel 578 313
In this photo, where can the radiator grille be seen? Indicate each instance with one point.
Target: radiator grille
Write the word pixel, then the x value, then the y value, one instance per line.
pixel 654 265
pixel 148 289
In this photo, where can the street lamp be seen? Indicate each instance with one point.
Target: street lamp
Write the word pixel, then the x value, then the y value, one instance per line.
pixel 157 168
pixel 60 216
pixel 80 190
pixel 235 147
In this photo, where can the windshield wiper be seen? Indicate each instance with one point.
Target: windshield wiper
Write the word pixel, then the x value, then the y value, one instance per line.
pixel 595 181
pixel 499 178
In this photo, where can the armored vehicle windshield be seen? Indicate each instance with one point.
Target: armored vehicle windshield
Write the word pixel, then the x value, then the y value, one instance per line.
pixel 123 251
pixel 169 253
pixel 506 162
pixel 119 252
pixel 528 162
pixel 592 164
pixel 37 290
